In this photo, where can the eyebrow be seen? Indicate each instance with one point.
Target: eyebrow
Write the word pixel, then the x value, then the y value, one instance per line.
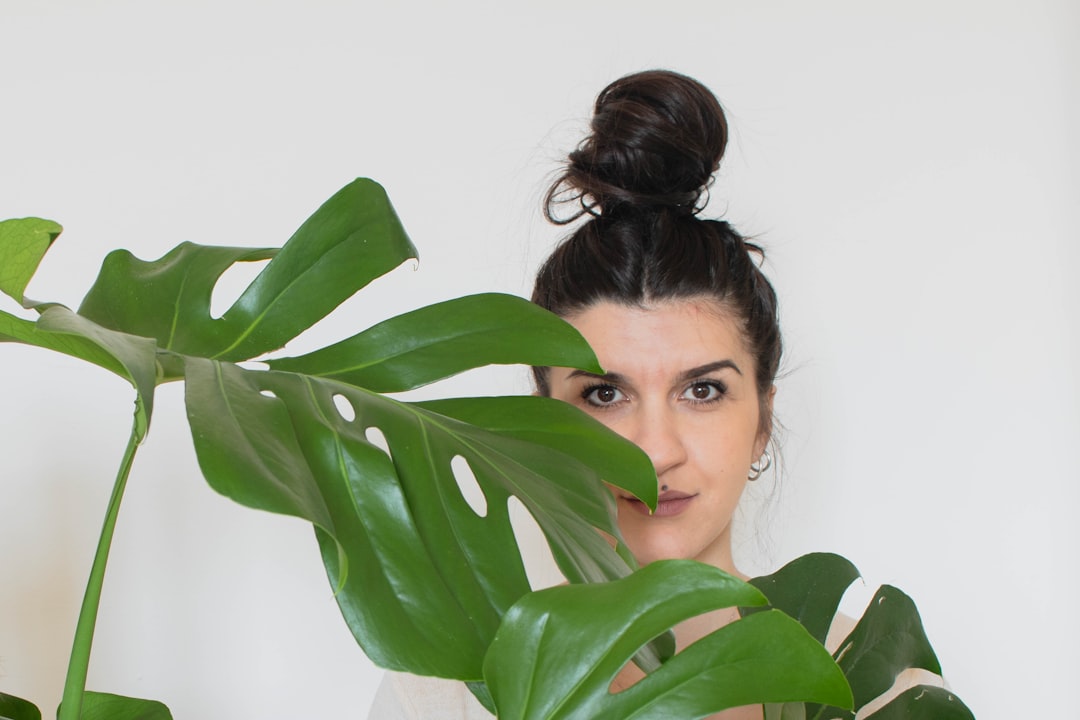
pixel 708 368
pixel 685 375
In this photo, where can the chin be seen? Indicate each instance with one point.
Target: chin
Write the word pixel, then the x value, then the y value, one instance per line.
pixel 646 553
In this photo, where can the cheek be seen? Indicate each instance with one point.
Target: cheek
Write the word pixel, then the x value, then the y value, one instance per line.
pixel 724 453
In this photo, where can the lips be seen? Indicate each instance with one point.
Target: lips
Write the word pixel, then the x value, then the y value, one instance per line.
pixel 669 504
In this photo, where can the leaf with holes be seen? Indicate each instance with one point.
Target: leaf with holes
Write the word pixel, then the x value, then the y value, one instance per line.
pixel 421 579
pixel 888 639
pixel 354 237
pixel 559 650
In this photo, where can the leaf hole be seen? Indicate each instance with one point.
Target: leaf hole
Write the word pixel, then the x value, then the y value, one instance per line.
pixel 344 407
pixel 256 365
pixel 375 436
pixel 268 393
pixel 470 489
pixel 540 566
pixel 231 285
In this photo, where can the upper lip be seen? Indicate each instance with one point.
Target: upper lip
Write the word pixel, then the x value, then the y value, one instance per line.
pixel 673 495
pixel 666 495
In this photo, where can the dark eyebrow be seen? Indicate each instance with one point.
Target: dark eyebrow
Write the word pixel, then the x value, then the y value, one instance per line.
pixel 616 378
pixel 708 368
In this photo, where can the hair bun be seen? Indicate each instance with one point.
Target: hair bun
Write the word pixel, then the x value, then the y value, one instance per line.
pixel 657 138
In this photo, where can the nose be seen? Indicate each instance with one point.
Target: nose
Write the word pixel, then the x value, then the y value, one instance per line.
pixel 656 432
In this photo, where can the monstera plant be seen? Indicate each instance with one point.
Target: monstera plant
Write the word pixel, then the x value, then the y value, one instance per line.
pixel 425 583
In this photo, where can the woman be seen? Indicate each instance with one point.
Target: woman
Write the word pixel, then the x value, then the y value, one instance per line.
pixel 677 310
pixel 682 320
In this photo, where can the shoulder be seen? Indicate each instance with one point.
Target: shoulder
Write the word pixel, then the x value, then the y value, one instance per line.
pixel 402 696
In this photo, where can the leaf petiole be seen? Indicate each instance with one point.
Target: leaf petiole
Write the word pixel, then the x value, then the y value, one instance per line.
pixel 75 684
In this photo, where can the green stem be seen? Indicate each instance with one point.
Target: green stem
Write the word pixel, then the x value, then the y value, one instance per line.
pixel 75 685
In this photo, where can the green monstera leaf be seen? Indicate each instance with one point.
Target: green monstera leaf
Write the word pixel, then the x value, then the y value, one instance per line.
pixel 887 640
pixel 354 237
pixel 559 650
pixel 809 589
pixel 421 579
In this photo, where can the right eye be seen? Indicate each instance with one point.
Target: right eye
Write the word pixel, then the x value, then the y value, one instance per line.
pixel 602 395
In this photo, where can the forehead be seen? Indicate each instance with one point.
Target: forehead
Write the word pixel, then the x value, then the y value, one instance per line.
pixel 665 337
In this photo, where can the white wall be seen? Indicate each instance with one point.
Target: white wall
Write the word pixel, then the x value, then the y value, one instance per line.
pixel 910 168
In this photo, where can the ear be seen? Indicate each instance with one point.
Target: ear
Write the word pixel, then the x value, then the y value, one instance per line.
pixel 765 423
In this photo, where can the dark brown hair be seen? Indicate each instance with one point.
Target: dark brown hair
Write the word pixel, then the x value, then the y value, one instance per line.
pixel 656 140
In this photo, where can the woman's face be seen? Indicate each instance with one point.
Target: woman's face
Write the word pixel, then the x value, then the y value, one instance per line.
pixel 680 384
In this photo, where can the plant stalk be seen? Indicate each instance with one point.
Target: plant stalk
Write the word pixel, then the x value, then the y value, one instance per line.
pixel 75 684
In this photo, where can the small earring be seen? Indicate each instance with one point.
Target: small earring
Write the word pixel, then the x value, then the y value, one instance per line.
pixel 757 468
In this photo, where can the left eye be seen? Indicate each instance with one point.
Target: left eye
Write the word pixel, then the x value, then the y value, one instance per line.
pixel 703 392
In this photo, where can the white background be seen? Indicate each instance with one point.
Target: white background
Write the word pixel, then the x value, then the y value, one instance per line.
pixel 911 168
